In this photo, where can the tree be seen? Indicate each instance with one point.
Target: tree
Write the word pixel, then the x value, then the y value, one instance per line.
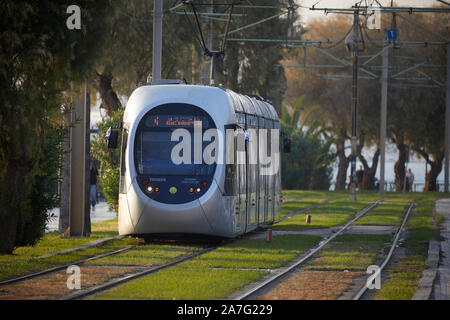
pixel 308 166
pixel 415 115
pixel 109 159
pixel 39 56
pixel 254 68
pixel 333 95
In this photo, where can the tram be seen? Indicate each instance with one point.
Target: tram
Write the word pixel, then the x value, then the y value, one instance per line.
pixel 198 160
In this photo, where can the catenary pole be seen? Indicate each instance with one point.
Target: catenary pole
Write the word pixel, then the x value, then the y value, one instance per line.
pixel 355 106
pixel 157 39
pixel 384 92
pixel 447 125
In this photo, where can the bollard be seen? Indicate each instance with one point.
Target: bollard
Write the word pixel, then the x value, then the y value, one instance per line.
pixel 308 219
pixel 269 235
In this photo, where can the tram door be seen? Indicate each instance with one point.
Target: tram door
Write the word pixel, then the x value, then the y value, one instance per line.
pixel 261 176
pixel 277 200
pixel 269 176
pixel 251 151
pixel 241 170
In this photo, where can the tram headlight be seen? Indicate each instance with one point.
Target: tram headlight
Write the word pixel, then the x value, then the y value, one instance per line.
pixel 198 190
pixel 191 190
pixel 156 189
pixel 149 189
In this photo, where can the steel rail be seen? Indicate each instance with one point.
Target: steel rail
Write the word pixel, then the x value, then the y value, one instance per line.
pixel 118 281
pixel 92 244
pixel 65 266
pixel 314 206
pixel 99 256
pixel 311 253
pixel 391 251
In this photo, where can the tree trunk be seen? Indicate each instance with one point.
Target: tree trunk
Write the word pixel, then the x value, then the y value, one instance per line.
pixel 12 195
pixel 368 182
pixel 110 102
pixel 400 167
pixel 431 177
pixel 344 162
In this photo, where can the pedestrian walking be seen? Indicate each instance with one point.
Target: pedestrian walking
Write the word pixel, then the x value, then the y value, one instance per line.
pixel 93 184
pixel 359 177
pixel 409 180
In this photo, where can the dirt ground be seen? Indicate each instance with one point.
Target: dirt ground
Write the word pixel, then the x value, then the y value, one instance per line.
pixel 54 286
pixel 312 285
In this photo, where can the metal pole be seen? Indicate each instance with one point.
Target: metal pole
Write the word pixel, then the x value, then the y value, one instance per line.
pixel 78 179
pixel 212 62
pixel 157 39
pixel 447 125
pixel 355 107
pixel 213 69
pixel 384 92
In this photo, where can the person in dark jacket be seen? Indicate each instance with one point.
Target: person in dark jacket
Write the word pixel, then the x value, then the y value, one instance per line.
pixel 93 184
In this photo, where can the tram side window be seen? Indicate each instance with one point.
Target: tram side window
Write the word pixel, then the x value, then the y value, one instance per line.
pixel 123 169
pixel 230 165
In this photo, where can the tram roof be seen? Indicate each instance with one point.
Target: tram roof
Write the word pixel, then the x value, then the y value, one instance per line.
pixel 252 105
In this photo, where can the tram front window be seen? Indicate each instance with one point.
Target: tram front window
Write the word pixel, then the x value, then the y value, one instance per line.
pixel 154 145
pixel 153 156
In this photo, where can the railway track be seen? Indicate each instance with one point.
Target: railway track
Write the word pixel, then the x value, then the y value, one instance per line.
pixel 364 288
pixel 118 281
pixel 140 273
pixel 253 292
pixel 314 206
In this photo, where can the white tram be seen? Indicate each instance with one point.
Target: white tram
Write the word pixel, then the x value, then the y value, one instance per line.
pixel 167 186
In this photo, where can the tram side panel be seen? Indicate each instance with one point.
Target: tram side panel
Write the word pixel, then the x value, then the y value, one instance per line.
pixel 251 165
pixel 242 181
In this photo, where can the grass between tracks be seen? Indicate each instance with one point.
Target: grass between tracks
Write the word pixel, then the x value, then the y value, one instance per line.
pixel 219 273
pixel 403 277
pixel 335 213
pixel 53 242
pixel 350 252
pixel 16 264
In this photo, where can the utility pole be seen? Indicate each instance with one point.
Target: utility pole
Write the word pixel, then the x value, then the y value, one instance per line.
pixel 78 178
pixel 157 39
pixel 384 93
pixel 447 125
pixel 212 61
pixel 355 104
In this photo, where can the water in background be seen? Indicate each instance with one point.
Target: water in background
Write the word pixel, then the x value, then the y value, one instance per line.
pixel 417 168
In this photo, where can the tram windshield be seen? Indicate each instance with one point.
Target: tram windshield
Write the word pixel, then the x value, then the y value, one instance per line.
pixel 153 145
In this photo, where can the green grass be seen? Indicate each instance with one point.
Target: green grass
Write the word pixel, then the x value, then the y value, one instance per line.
pixel 391 212
pixel 257 253
pixel 331 214
pixel 350 252
pixel 186 283
pixel 297 205
pixel 53 242
pixel 217 274
pixel 151 254
pixel 403 278
pixel 292 194
pixel 14 269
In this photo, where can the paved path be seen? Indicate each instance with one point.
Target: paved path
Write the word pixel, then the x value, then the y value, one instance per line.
pixel 101 213
pixel 442 287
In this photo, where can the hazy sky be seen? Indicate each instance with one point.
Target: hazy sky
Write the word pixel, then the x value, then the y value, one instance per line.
pixel 308 14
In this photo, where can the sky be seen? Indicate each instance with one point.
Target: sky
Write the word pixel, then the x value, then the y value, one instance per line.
pixel 308 14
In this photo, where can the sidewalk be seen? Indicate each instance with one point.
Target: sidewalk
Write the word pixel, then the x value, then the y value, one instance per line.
pixel 442 286
pixel 101 213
